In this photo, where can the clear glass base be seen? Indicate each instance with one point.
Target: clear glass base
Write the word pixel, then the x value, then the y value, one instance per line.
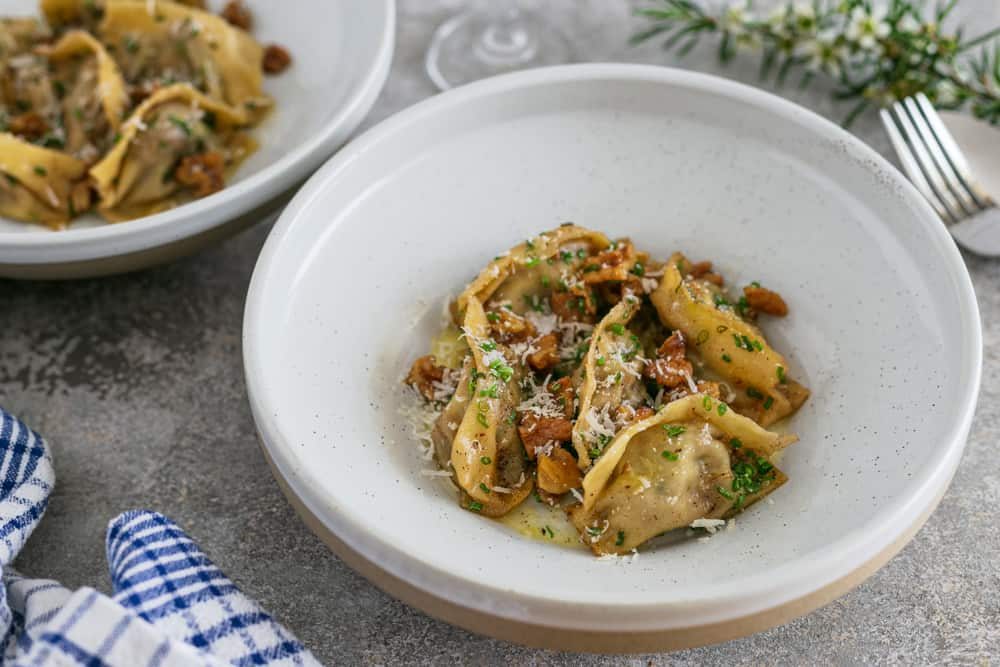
pixel 481 43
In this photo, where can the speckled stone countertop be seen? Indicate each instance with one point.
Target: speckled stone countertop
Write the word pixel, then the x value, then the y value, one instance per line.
pixel 137 383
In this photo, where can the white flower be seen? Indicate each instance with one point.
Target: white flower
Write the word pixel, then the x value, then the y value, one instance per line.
pixel 908 24
pixel 734 19
pixel 880 96
pixel 824 54
pixel 778 20
pixel 866 29
pixel 749 41
pixel 947 93
pixel 805 17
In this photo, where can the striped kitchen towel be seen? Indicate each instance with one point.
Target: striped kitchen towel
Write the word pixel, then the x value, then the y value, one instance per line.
pixel 171 606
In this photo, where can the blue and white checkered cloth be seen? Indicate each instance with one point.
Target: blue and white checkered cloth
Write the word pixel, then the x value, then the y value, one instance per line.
pixel 172 605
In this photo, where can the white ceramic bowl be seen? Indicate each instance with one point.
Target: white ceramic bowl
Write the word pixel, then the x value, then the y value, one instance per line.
pixel 342 50
pixel 884 329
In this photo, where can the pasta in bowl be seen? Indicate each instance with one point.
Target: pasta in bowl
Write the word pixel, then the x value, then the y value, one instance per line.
pixel 126 107
pixel 629 392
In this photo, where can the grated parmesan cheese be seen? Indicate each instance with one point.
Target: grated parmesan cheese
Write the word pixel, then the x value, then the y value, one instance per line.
pixel 598 423
pixel 711 525
pixel 691 384
pixel 420 416
pixel 544 323
pixel 541 401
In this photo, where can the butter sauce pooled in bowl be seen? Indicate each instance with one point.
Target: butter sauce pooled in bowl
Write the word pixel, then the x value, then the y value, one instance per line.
pixel 630 392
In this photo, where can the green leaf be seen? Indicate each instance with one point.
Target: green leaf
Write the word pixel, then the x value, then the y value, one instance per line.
pixel 687 46
pixel 672 41
pixel 858 109
pixel 985 37
pixel 725 48
pixel 646 35
pixel 783 71
pixel 767 63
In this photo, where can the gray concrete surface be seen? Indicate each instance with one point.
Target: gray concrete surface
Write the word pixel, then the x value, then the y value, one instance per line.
pixel 137 383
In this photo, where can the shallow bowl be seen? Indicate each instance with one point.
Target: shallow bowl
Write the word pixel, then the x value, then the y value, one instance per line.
pixel 342 50
pixel 884 329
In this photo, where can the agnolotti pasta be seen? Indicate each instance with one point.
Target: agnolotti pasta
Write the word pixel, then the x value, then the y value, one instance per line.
pixel 94 98
pixel 175 146
pixel 693 459
pixel 39 184
pixel 174 43
pixel 154 98
pixel 728 343
pixel 584 373
pixel 76 13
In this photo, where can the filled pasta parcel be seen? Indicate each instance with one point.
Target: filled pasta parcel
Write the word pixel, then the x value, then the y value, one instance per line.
pixel 631 394
pixel 126 107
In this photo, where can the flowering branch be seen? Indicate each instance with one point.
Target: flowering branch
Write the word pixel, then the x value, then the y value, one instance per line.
pixel 875 54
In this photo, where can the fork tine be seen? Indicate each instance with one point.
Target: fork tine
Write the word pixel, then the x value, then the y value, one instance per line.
pixel 948 176
pixel 926 163
pixel 951 151
pixel 911 167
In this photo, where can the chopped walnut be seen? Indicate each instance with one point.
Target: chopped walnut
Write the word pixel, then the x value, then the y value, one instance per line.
pixel 536 431
pixel 643 413
pixel 698 269
pixel 509 327
pixel 29 125
pixel 237 14
pixel 575 305
pixel 670 368
pixel 558 472
pixel 276 59
pixel 547 355
pixel 423 374
pixel 713 389
pixel 563 391
pixel 764 300
pixel 611 264
pixel 626 414
pixel 713 278
pixel 203 172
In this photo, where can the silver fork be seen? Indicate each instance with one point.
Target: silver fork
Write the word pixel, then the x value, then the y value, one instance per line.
pixel 936 165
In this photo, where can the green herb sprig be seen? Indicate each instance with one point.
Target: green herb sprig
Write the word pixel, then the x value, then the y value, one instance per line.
pixel 876 55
